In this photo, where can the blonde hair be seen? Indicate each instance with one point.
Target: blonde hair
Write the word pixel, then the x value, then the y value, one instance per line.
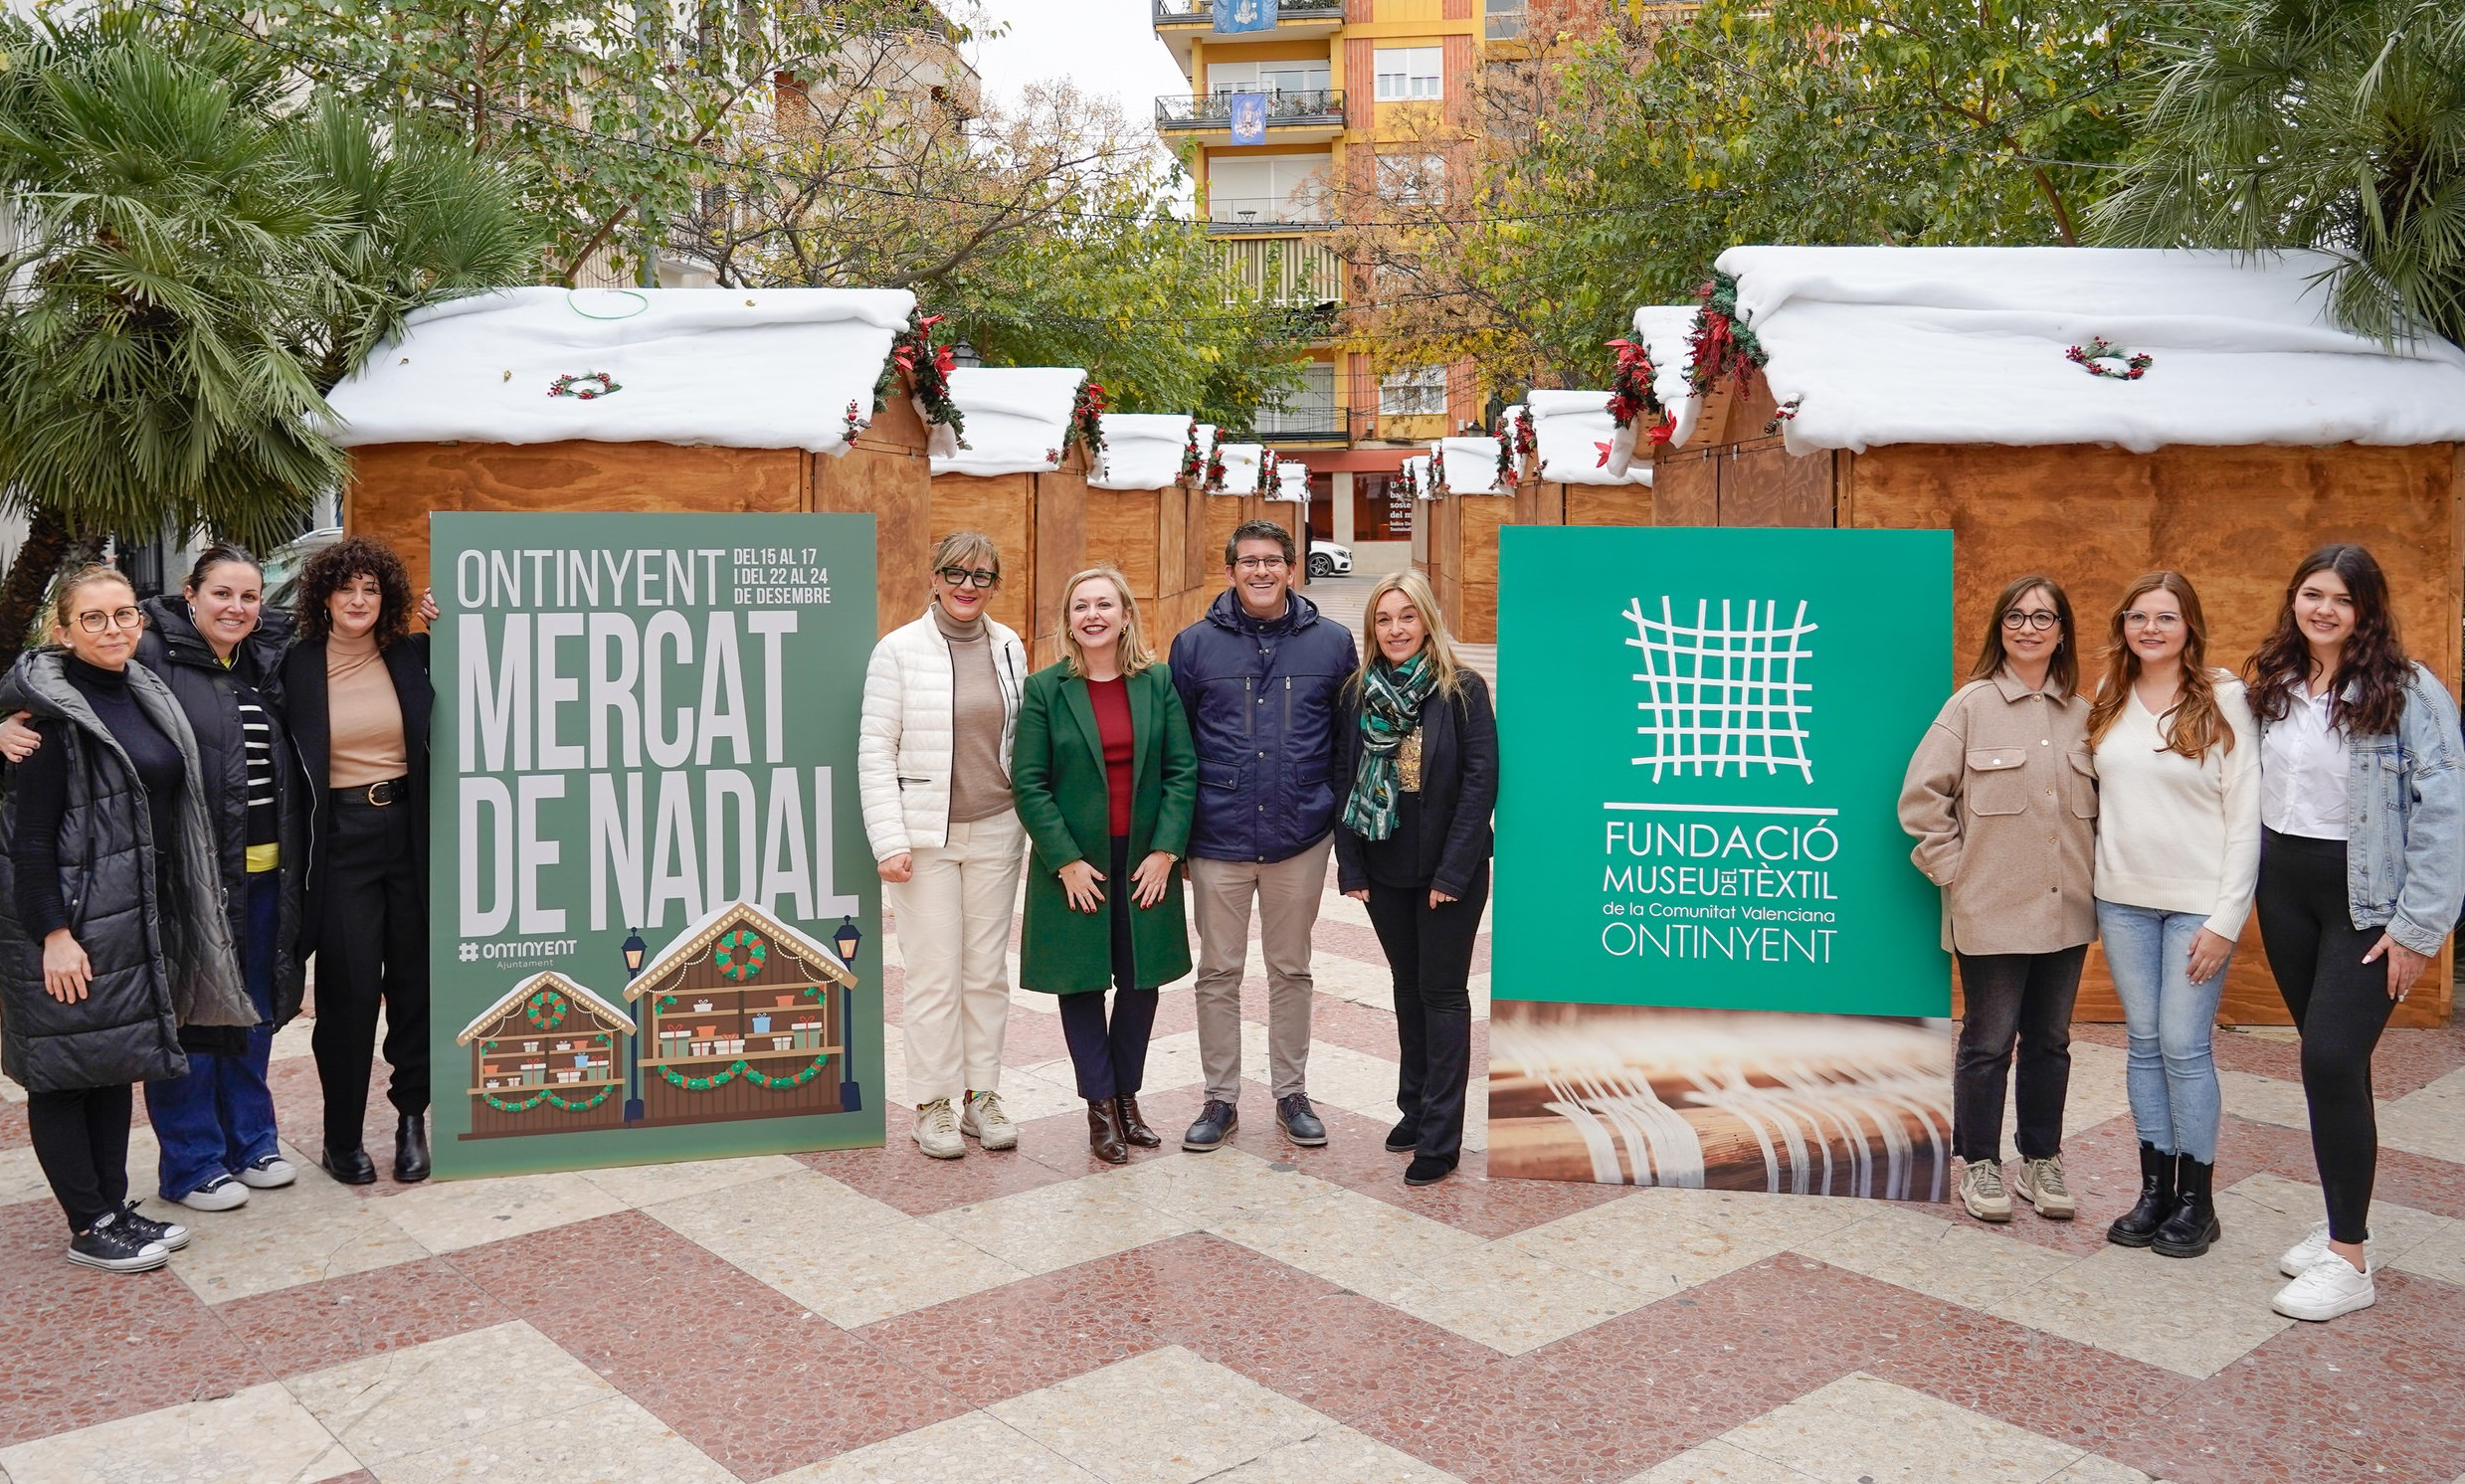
pixel 64 598
pixel 1131 648
pixel 1438 646
pixel 966 550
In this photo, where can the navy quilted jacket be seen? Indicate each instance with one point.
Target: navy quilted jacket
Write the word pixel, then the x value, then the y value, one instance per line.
pixel 1261 703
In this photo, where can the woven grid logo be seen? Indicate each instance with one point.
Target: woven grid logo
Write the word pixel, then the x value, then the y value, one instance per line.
pixel 1722 695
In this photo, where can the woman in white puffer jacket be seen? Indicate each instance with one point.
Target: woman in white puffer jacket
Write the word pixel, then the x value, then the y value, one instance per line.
pixel 941 700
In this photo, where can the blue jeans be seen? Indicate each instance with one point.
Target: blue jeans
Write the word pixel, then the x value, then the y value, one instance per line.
pixel 218 1119
pixel 2169 1022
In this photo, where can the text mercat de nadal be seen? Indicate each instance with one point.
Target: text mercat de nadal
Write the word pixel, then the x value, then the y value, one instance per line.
pixel 615 694
pixel 1760 894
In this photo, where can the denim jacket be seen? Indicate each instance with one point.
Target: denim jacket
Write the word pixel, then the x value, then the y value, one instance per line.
pixel 2405 821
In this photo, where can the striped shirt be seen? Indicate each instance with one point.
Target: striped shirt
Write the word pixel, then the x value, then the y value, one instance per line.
pixel 256 733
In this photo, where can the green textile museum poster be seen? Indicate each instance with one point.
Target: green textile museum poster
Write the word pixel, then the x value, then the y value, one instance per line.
pixel 655 927
pixel 1703 735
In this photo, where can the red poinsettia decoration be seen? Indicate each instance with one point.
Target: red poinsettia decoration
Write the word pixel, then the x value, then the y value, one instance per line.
pixel 1086 428
pixel 928 365
pixel 857 420
pixel 1722 347
pixel 1632 396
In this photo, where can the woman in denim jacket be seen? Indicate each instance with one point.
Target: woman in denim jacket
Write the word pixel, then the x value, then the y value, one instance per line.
pixel 2362 865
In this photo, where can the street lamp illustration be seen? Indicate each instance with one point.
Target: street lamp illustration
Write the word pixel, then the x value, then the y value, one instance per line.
pixel 848 940
pixel 635 950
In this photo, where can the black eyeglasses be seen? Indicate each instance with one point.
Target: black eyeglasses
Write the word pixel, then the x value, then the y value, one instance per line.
pixel 2034 619
pixel 969 577
pixel 95 621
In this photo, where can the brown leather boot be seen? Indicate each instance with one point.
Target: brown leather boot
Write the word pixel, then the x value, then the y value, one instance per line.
pixel 1104 1133
pixel 1134 1128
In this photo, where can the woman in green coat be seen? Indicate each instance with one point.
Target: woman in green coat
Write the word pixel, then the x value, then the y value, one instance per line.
pixel 1104 770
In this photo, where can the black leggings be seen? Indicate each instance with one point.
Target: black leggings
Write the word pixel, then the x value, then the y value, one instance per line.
pixel 2340 1004
pixel 80 1139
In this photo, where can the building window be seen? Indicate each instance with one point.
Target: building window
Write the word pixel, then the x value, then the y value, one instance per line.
pixel 1268 76
pixel 1309 413
pixel 1409 180
pixel 1405 72
pixel 1505 19
pixel 1266 188
pixel 1412 394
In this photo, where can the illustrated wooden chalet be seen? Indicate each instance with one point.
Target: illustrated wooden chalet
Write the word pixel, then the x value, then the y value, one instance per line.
pixel 547 1057
pixel 744 1017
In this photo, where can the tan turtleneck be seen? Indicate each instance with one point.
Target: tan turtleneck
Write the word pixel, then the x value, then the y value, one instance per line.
pixel 979 787
pixel 363 714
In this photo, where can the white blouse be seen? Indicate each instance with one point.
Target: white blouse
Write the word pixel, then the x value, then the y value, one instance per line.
pixel 2303 770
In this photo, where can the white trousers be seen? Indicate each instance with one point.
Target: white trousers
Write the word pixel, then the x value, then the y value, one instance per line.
pixel 954 913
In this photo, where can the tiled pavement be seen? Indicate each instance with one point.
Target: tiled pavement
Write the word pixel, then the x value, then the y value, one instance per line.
pixel 1261 1314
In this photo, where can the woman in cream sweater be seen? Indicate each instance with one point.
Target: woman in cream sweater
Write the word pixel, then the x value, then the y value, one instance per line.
pixel 2178 858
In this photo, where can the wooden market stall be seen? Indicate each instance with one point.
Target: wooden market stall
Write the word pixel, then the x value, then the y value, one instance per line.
pixel 1573 438
pixel 695 400
pixel 1021 479
pixel 1935 388
pixel 1144 516
pixel 1476 489
pixel 547 1057
pixel 744 1017
pixel 1250 474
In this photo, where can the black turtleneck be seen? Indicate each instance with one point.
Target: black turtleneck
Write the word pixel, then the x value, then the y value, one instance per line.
pixel 43 790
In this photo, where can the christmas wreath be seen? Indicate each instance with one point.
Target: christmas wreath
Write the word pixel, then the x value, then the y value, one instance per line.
pixel 1723 348
pixel 546 1008
pixel 1632 394
pixel 747 942
pixel 586 386
pixel 2098 350
pixel 1086 428
pixel 928 367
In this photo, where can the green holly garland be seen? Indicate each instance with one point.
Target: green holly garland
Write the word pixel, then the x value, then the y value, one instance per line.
pixel 552 1099
pixel 755 952
pixel 742 1069
pixel 1723 348
pixel 702 1084
pixel 797 1079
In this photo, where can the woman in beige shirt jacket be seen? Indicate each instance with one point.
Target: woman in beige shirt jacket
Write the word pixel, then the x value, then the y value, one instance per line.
pixel 2002 797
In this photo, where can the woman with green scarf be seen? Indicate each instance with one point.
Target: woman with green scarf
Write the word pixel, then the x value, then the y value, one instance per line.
pixel 1421 746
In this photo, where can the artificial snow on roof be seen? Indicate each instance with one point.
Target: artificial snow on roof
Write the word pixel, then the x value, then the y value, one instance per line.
pixel 1142 449
pixel 769 368
pixel 1967 346
pixel 1242 462
pixel 1017 418
pixel 1575 436
pixel 1471 464
pixel 1291 483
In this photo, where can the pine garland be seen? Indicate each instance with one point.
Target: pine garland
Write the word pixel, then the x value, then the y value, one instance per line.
pixel 1632 394
pixel 928 367
pixel 1086 428
pixel 1722 347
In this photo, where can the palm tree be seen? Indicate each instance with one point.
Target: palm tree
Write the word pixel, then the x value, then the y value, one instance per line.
pixel 201 261
pixel 2337 125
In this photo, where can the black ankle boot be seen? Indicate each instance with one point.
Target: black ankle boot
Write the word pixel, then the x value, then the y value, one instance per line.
pixel 2136 1227
pixel 2193 1224
pixel 411 1148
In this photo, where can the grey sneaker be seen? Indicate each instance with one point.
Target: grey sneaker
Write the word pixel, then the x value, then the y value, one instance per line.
pixel 937 1130
pixel 2041 1186
pixel 1981 1190
pixel 987 1122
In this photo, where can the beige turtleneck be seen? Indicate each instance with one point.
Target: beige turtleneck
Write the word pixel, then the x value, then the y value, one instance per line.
pixel 363 715
pixel 979 786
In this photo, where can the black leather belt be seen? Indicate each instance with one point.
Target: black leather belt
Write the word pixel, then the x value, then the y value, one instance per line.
pixel 377 795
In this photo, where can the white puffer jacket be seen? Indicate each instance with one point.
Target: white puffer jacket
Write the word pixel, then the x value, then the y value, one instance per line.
pixel 903 741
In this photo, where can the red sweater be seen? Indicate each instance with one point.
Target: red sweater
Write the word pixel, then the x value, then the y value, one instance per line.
pixel 1111 699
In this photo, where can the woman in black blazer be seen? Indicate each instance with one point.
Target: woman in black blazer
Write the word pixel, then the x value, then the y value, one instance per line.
pixel 356 696
pixel 1419 748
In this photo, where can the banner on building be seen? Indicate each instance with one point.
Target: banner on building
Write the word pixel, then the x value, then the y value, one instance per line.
pixel 1244 15
pixel 1249 117
pixel 1715 964
pixel 655 926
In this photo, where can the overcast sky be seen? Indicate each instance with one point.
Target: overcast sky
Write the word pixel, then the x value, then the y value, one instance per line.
pixel 1106 47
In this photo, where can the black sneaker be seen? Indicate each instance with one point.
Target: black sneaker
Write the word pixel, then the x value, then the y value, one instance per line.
pixel 115 1246
pixel 1404 1137
pixel 1299 1122
pixel 172 1234
pixel 1215 1124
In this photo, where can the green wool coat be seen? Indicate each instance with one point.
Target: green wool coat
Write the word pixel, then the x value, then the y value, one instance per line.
pixel 1057 777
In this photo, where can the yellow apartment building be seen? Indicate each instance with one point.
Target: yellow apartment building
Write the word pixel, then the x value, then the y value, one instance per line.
pixel 1362 94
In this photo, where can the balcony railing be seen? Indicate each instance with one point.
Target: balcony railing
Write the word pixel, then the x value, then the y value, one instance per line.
pixel 1203 12
pixel 1285 109
pixel 1505 25
pixel 1263 214
pixel 1308 417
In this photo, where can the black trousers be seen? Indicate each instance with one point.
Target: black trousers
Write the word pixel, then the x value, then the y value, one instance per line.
pixel 2340 1004
pixel 80 1139
pixel 1430 952
pixel 372 949
pixel 2022 998
pixel 1110 1053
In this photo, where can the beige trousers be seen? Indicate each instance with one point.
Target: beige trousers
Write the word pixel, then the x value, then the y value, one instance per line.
pixel 954 914
pixel 1287 894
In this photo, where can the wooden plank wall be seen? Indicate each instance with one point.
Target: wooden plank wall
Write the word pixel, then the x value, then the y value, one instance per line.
pixel 2234 521
pixel 1607 504
pixel 1003 507
pixel 887 477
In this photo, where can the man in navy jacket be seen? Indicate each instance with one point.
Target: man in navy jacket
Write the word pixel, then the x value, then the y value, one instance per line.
pixel 1259 676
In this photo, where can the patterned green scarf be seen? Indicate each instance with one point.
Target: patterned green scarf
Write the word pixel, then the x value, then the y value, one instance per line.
pixel 1391 700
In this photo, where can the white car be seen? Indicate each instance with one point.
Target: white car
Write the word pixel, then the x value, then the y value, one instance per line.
pixel 1327 559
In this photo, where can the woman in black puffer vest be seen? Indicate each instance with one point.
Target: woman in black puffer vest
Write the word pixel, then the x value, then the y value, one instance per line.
pixel 114 944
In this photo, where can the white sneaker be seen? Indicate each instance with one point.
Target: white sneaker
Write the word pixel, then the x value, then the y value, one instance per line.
pixel 222 1192
pixel 2314 1247
pixel 269 1174
pixel 988 1121
pixel 938 1131
pixel 2327 1289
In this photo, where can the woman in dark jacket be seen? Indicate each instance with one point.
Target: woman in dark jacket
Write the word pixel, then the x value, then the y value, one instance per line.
pixel 1103 770
pixel 113 951
pixel 356 696
pixel 1421 754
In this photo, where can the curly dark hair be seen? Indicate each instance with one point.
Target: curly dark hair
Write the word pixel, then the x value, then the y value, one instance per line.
pixel 355 556
pixel 2373 664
